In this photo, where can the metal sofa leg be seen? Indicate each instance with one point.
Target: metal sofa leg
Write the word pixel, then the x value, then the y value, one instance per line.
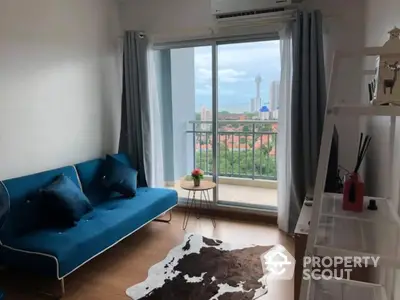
pixel 165 221
pixel 62 286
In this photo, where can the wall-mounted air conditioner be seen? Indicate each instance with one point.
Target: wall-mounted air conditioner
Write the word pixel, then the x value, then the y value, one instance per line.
pixel 231 10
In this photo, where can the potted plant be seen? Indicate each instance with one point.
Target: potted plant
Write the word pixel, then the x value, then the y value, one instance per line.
pixel 197 175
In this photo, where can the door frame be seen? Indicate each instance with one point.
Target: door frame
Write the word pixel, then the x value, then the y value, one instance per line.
pixel 214 43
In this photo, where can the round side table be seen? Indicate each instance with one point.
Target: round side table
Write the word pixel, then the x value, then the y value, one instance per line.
pixel 205 200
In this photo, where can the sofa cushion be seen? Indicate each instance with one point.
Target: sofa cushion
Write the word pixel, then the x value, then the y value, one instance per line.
pixel 24 215
pixel 108 223
pixel 64 201
pixel 119 177
pixel 124 158
pixel 90 174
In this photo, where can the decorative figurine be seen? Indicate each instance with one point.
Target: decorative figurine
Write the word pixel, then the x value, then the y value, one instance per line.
pixel 385 88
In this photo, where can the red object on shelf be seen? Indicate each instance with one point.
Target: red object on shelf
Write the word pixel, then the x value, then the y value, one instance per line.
pixel 353 193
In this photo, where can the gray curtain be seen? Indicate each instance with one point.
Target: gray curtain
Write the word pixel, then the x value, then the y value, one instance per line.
pixel 308 106
pixel 135 108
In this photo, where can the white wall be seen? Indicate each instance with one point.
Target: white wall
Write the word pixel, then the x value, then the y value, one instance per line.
pixel 59 83
pixel 344 20
pixel 160 17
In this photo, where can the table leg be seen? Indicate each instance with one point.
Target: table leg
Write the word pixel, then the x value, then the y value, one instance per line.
pixel 188 209
pixel 208 203
pixel 198 211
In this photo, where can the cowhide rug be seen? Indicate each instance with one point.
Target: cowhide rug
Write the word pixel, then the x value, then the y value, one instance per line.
pixel 205 269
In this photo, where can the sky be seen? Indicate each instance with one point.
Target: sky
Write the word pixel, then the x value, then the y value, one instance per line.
pixel 238 66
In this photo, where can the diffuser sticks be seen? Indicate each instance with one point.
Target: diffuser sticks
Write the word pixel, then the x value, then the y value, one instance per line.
pixel 362 150
pixel 353 194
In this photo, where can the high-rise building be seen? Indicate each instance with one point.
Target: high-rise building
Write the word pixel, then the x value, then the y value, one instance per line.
pixel 253 107
pixel 274 95
pixel 274 99
pixel 206 115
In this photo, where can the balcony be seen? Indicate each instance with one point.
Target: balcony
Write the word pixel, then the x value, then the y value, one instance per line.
pixel 246 155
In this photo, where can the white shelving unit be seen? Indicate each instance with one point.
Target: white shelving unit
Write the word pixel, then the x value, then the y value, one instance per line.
pixel 335 232
pixel 346 290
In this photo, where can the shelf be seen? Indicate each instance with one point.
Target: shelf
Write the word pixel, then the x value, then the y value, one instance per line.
pixel 345 290
pixel 332 207
pixel 363 238
pixel 366 110
pixel 368 233
pixel 367 51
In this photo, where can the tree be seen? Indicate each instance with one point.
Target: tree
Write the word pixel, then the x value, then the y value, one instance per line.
pixel 224 112
pixel 240 162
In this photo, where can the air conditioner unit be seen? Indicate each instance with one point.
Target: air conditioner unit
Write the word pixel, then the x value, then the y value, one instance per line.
pixel 231 10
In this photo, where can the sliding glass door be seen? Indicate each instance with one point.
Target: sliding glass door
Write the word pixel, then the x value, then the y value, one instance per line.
pixel 248 86
pixel 221 106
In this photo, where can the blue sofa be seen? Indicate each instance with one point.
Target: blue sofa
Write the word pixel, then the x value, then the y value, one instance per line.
pixel 57 253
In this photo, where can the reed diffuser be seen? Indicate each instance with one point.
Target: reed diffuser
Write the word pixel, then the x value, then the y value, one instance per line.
pixel 353 193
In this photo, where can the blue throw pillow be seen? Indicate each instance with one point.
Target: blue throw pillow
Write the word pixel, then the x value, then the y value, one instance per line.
pixel 118 177
pixel 64 202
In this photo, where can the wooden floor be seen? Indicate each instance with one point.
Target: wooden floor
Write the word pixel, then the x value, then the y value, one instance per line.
pixel 108 276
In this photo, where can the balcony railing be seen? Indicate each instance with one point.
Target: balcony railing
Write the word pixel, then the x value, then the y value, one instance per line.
pixel 245 149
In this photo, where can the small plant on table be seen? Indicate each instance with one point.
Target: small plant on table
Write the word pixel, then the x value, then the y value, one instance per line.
pixel 197 175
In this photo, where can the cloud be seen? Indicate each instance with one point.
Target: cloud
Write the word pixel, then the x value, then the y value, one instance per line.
pixel 238 65
pixel 226 92
pixel 204 90
pixel 245 54
pixel 231 75
pixel 239 62
pixel 204 75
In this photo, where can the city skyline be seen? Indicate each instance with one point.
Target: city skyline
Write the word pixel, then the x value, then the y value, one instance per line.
pixel 264 110
pixel 238 66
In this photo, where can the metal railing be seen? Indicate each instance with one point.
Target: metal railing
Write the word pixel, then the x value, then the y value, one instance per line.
pixel 246 149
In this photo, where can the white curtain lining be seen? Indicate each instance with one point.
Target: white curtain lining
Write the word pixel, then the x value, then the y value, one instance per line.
pixel 284 129
pixel 153 151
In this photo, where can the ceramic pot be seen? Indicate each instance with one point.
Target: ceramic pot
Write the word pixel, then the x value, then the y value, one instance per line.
pixel 196 181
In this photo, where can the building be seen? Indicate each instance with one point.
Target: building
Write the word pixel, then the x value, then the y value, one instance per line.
pixel 206 115
pixel 264 112
pixel 274 95
pixel 252 105
pixel 274 99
